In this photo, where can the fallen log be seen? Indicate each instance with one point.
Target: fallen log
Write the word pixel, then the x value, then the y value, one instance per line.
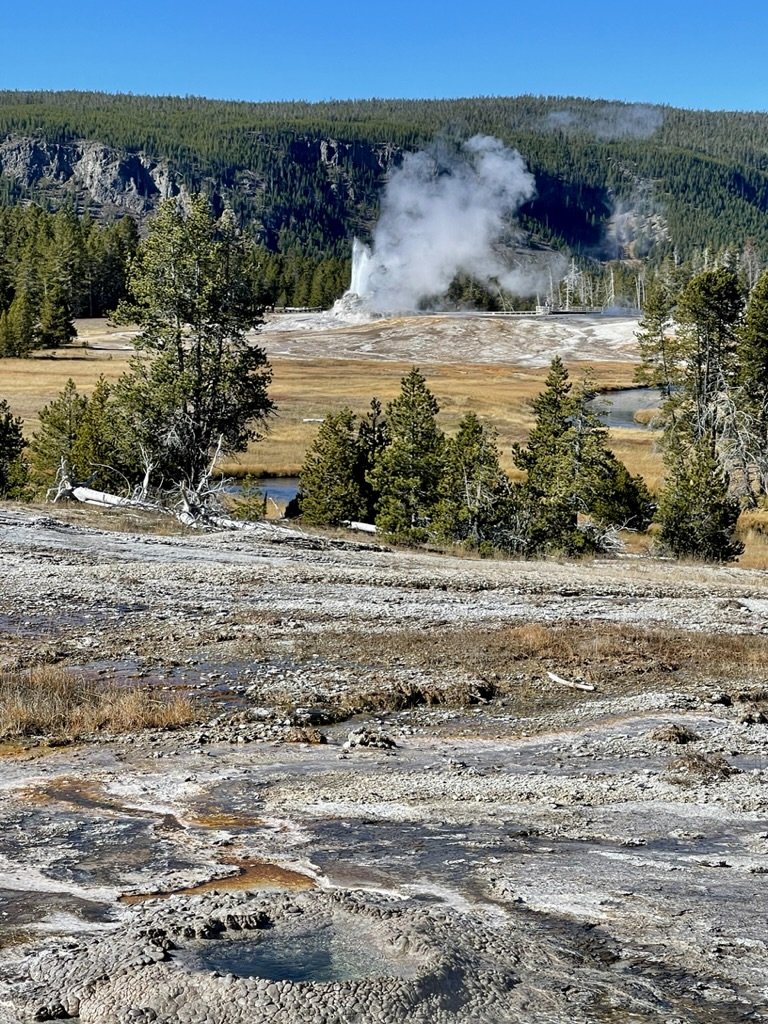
pixel 567 682
pixel 362 527
pixel 106 500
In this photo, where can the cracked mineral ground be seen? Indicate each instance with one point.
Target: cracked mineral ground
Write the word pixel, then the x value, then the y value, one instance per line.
pixel 387 804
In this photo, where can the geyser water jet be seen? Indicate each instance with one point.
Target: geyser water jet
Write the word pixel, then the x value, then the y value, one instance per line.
pixel 361 264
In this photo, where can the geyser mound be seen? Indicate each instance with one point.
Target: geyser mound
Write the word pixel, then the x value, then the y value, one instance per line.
pixel 352 308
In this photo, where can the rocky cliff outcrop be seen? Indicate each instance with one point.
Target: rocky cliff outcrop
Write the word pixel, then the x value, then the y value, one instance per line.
pixel 97 178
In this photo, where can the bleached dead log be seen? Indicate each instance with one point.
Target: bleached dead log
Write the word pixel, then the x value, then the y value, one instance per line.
pixel 362 527
pixel 567 682
pixel 102 498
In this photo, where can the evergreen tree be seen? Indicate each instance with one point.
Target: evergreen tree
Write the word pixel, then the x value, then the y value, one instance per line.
pixel 473 491
pixel 13 466
pixel 617 499
pixel 329 478
pixel 199 385
pixel 571 471
pixel 102 453
pixel 407 472
pixel 607 492
pixel 56 326
pixel 551 483
pixel 709 310
pixel 372 439
pixel 53 445
pixel 696 515
pixel 18 333
pixel 9 345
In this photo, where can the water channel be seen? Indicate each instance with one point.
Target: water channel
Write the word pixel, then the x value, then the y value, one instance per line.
pixel 618 408
pixel 279 488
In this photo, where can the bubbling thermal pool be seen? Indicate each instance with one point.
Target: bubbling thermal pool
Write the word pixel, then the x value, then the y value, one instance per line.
pixel 322 953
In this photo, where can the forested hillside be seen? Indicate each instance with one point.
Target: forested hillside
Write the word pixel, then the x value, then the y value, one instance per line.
pixel 613 179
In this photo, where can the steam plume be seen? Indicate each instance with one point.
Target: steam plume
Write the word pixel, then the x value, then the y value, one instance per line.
pixel 607 121
pixel 440 217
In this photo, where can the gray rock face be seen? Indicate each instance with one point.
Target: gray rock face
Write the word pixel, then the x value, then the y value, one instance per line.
pixel 99 176
pixel 109 182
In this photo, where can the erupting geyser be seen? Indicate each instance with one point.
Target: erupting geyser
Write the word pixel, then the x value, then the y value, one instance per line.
pixel 442 214
pixel 361 265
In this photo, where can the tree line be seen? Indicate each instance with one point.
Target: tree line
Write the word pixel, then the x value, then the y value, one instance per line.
pixel 55 267
pixel 706 173
pixel 397 469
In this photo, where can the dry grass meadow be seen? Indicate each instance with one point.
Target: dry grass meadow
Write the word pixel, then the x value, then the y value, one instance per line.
pixel 305 389
pixel 51 702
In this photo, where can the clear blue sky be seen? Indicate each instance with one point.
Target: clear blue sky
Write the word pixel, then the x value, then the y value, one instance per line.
pixel 692 54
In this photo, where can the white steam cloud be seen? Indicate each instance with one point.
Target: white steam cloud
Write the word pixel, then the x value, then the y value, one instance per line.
pixel 609 121
pixel 440 218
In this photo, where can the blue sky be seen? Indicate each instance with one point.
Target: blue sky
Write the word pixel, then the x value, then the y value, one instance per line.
pixel 702 55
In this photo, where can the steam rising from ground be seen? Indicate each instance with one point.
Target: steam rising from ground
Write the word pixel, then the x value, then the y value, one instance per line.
pixel 442 216
pixel 609 121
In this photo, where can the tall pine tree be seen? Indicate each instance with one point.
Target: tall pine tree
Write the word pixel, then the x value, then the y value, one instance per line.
pixel 199 385
pixel 407 472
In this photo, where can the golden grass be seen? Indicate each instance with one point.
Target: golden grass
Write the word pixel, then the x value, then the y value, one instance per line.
pixel 30 384
pixel 51 702
pixel 646 417
pixel 639 451
pixel 306 389
pixel 755 554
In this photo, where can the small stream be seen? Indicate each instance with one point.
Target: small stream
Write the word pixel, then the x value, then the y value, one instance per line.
pixel 281 489
pixel 618 408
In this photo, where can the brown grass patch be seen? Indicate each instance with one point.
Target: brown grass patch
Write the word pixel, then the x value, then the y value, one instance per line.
pixel 305 734
pixel 646 417
pixel 305 390
pixel 673 733
pixel 29 384
pixel 614 657
pixel 405 695
pixel 753 533
pixel 48 701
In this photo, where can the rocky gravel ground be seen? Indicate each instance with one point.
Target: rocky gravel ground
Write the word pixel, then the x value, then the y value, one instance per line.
pixel 384 769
